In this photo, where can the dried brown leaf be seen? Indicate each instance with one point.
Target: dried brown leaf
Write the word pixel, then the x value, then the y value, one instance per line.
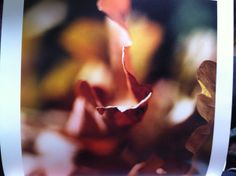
pixel 199 137
pixel 132 115
pixel 207 75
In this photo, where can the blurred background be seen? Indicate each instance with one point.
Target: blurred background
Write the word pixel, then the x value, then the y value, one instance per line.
pixel 59 36
pixel 68 40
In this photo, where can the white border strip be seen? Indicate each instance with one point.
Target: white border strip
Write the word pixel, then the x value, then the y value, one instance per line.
pixel 10 71
pixel 224 87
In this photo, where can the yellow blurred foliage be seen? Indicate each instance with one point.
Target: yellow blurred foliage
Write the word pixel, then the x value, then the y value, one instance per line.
pixel 85 38
pixel 60 80
pixel 146 38
pixel 29 92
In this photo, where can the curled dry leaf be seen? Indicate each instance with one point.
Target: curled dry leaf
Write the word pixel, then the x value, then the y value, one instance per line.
pixel 206 76
pixel 117 13
pixel 92 125
pixel 130 115
pixel 101 128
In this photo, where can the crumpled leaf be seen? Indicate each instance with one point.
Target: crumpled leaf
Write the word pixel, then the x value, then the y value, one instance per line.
pixel 97 125
pixel 118 118
pixel 115 116
pixel 100 132
pixel 206 76
pixel 133 114
pixel 140 92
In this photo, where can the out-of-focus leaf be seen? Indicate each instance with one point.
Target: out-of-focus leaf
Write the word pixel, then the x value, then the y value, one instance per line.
pixel 84 120
pixel 30 92
pixel 85 39
pixel 117 10
pixel 85 90
pixel 53 88
pixel 199 137
pixel 147 37
pixel 94 72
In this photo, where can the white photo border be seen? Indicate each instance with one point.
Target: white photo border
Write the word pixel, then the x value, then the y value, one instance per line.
pixel 224 87
pixel 10 78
